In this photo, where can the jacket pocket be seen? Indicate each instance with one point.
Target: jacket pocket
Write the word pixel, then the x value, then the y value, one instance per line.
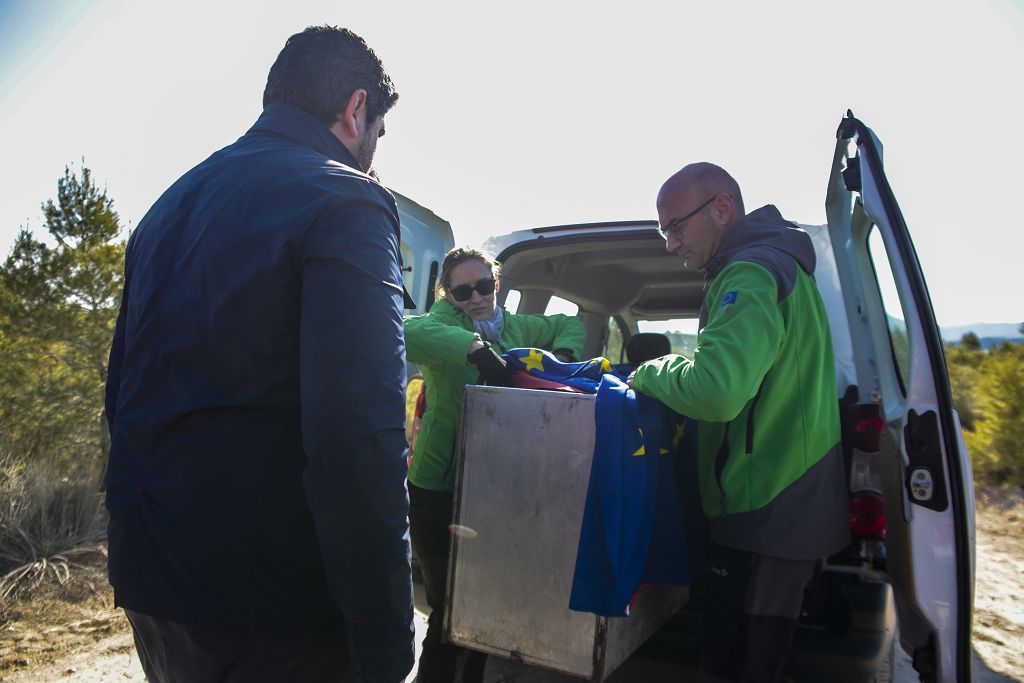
pixel 721 458
pixel 750 418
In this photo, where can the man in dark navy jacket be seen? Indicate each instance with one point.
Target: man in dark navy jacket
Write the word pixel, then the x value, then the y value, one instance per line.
pixel 256 483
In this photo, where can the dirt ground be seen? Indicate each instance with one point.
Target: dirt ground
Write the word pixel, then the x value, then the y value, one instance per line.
pixel 72 632
pixel 63 630
pixel 999 583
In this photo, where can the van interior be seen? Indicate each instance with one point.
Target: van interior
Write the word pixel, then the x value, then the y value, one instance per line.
pixel 618 285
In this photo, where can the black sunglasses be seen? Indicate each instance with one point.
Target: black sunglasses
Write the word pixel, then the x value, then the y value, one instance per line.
pixel 465 292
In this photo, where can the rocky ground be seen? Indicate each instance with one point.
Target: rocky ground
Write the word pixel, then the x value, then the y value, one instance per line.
pixel 72 631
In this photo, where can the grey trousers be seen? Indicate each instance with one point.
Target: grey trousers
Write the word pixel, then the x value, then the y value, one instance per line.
pixel 750 614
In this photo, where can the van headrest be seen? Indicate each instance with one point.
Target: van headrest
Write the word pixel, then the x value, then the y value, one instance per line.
pixel 645 346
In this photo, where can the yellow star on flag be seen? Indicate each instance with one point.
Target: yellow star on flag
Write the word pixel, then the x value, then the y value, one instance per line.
pixel 535 361
pixel 640 451
pixel 663 451
pixel 680 428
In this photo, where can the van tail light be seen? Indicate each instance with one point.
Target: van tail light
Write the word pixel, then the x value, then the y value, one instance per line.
pixel 867 510
pixel 868 426
pixel 867 515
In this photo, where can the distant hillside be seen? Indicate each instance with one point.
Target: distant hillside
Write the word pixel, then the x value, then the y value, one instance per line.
pixel 990 334
pixel 1002 331
pixel 992 342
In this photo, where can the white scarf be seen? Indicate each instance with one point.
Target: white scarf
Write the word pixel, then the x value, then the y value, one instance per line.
pixel 490 330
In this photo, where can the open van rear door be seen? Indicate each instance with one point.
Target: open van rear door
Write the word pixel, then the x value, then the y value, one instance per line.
pixel 900 365
pixel 426 238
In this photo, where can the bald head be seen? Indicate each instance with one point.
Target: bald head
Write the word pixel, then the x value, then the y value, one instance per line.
pixel 702 179
pixel 696 208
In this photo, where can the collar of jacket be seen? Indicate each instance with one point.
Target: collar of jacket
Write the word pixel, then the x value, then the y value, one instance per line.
pixel 739 236
pixel 303 129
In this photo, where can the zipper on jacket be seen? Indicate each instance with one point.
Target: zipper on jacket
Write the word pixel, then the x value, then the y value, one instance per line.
pixel 721 457
pixel 750 418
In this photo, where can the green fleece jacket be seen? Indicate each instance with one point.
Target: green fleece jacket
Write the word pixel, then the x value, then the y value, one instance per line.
pixel 762 386
pixel 437 342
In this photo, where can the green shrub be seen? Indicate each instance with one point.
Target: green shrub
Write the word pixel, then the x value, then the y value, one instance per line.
pixel 996 442
pixel 988 394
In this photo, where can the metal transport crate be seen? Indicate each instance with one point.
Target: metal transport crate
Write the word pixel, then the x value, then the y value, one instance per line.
pixel 524 466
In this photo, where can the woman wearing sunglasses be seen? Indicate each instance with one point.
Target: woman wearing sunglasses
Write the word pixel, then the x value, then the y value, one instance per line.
pixel 459 340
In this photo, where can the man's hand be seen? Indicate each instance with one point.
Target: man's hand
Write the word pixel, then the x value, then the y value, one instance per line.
pixel 629 380
pixel 492 367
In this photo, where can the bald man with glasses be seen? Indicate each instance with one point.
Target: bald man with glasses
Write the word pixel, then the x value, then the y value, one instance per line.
pixel 762 387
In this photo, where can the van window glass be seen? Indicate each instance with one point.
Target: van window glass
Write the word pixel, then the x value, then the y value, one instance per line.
pixel 681 333
pixel 512 300
pixel 895 318
pixel 613 342
pixel 685 325
pixel 559 305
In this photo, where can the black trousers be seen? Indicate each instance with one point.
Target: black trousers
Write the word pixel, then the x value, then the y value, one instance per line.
pixel 430 515
pixel 179 653
pixel 751 606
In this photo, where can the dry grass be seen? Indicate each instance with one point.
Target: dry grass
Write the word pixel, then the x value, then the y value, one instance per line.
pixel 53 621
pixel 50 515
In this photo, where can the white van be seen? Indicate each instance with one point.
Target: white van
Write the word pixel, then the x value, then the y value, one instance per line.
pixel 910 482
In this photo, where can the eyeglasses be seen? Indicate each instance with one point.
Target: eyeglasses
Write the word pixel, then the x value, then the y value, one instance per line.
pixel 465 292
pixel 675 226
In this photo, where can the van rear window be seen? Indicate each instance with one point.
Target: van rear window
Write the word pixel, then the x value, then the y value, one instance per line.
pixel 895 318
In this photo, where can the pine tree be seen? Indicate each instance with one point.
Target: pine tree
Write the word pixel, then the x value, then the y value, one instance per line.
pixel 971 342
pixel 58 305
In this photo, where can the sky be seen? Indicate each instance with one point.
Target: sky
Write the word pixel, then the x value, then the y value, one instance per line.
pixel 516 115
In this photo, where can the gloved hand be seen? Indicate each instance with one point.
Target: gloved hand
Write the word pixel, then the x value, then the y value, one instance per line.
pixel 493 368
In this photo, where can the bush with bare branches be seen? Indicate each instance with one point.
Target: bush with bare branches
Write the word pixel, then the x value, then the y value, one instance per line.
pixel 49 515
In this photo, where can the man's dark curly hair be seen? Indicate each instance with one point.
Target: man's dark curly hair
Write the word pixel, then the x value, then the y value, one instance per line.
pixel 320 68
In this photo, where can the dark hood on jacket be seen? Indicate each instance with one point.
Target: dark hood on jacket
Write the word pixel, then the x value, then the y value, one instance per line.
pixel 766 238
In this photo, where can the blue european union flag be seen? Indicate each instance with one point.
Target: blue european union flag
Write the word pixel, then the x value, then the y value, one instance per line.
pixel 585 375
pixel 632 531
pixel 729 298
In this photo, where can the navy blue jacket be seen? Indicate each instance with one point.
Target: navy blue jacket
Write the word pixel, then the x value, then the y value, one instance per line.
pixel 256 399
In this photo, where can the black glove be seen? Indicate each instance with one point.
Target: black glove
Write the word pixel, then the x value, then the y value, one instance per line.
pixel 493 368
